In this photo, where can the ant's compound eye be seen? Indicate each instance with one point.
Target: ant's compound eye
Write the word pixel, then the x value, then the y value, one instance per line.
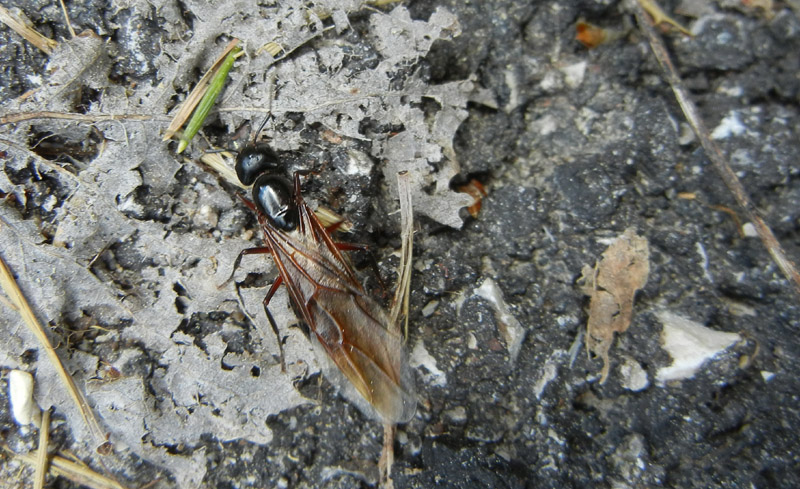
pixel 274 199
pixel 255 160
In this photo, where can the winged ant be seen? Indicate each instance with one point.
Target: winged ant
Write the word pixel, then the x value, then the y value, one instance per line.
pixel 345 325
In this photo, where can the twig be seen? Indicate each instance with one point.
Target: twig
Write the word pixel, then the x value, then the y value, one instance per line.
pixel 41 455
pixel 14 293
pixel 713 151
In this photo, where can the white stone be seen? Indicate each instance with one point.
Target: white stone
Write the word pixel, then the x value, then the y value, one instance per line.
pixel 430 308
pixel 512 331
pixel 690 344
pixel 749 230
pixel 20 393
pixel 549 372
pixel 729 126
pixel 634 377
pixel 420 357
pixel 573 74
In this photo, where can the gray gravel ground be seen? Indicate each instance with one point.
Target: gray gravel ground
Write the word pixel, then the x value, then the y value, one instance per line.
pixel 574 146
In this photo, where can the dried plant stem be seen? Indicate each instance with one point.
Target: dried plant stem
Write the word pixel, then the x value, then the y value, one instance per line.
pixel 660 16
pixel 217 163
pixel 78 473
pixel 713 151
pixel 27 116
pixel 387 456
pixel 41 455
pixel 14 293
pixel 399 309
pixel 197 93
pixel 209 98
pixel 304 42
pixel 66 18
pixel 401 295
pixel 43 43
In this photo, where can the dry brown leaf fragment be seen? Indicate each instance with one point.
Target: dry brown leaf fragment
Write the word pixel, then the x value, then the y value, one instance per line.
pixel 612 284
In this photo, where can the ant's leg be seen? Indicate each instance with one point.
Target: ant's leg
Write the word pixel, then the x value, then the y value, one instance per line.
pixel 372 262
pixel 333 227
pixel 358 247
pixel 238 261
pixel 247 202
pixel 351 247
pixel 296 177
pixel 267 299
pixel 345 246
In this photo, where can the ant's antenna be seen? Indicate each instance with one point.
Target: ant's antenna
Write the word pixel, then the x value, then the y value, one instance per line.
pixel 271 84
pixel 260 127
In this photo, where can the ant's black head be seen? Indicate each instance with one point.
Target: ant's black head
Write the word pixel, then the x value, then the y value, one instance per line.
pixel 274 199
pixel 254 160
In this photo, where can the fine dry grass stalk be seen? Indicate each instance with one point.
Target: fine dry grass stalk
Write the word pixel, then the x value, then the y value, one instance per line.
pixel 41 454
pixel 713 151
pixel 11 118
pixel 399 310
pixel 45 44
pixel 401 295
pixel 75 472
pixel 14 293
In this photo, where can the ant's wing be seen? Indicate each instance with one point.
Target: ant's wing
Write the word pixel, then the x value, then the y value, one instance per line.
pixel 353 330
pixel 355 334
